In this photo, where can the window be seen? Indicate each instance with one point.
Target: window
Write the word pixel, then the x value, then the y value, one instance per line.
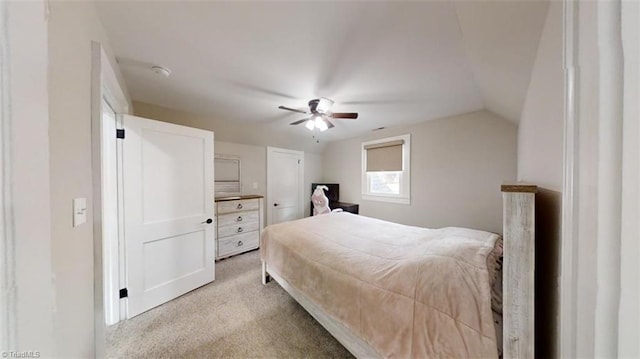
pixel 386 169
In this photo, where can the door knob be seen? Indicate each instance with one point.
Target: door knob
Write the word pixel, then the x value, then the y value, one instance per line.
pixel 208 221
pixel 276 204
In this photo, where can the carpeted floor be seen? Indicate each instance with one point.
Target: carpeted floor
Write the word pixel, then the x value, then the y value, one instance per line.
pixel 233 317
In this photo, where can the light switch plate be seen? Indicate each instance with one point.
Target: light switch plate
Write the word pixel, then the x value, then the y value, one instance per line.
pixel 79 211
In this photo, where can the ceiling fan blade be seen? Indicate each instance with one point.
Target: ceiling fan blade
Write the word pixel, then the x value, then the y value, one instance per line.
pixel 299 121
pixel 291 109
pixel 329 124
pixel 351 115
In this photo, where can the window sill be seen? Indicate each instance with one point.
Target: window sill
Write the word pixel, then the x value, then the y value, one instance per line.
pixel 400 200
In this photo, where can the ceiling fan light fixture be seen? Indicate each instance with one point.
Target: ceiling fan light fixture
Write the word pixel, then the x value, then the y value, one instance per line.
pixel 324 105
pixel 310 125
pixel 321 124
pixel 320 114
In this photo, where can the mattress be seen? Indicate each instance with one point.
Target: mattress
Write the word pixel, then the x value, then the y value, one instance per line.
pixel 406 291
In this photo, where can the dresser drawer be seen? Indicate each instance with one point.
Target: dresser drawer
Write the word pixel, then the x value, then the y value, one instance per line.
pixel 238 205
pixel 238 243
pixel 241 227
pixel 238 218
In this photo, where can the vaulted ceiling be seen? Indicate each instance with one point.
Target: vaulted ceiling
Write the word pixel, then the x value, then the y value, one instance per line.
pixel 393 62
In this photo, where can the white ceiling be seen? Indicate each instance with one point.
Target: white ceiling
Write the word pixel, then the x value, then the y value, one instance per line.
pixel 501 41
pixel 393 62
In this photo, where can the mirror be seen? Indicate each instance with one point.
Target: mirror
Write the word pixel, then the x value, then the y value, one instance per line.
pixel 227 175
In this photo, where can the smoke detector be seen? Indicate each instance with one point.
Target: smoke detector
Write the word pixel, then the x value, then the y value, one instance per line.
pixel 159 70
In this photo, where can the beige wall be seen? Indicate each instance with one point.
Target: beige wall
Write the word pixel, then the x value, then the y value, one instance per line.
pixel 253 152
pixel 257 134
pixel 540 161
pixel 72 27
pixel 457 167
pixel 26 305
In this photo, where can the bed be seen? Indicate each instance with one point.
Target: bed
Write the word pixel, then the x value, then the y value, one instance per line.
pixel 389 290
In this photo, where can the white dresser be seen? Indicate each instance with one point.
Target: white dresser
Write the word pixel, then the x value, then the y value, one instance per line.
pixel 238 225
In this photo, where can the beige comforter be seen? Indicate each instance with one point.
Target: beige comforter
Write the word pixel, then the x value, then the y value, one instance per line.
pixel 406 291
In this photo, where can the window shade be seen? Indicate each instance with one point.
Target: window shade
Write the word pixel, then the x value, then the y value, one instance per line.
pixel 386 156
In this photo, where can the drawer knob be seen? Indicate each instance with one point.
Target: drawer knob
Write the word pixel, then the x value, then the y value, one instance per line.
pixel 239 206
pixel 240 243
pixel 208 221
pixel 239 219
pixel 239 230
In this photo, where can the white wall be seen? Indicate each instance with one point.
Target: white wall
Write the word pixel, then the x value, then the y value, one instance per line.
pixel 457 167
pixel 540 162
pixel 540 131
pixel 25 144
pixel 72 27
pixel 252 152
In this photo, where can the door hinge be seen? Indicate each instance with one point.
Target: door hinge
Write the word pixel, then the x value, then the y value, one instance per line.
pixel 120 133
pixel 124 293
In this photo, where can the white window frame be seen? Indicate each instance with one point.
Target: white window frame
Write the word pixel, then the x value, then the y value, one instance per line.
pixel 405 178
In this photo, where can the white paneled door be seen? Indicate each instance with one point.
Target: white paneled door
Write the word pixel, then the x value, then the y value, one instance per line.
pixel 285 185
pixel 168 211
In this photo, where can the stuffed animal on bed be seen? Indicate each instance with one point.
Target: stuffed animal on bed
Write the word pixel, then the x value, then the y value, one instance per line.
pixel 321 202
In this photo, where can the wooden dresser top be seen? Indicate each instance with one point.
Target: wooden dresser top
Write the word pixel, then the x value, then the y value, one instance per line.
pixel 236 198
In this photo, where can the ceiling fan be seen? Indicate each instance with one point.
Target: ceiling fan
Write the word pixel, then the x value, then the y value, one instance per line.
pixel 319 109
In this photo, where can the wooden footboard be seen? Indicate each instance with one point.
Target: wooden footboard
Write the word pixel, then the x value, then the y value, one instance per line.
pixel 518 334
pixel 358 347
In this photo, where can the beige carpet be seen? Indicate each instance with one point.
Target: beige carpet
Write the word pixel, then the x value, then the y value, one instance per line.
pixel 233 317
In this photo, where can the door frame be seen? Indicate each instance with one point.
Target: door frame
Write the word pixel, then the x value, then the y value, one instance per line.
pixel 109 221
pixel 271 151
pixel 612 291
pixel 568 256
pixel 104 84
